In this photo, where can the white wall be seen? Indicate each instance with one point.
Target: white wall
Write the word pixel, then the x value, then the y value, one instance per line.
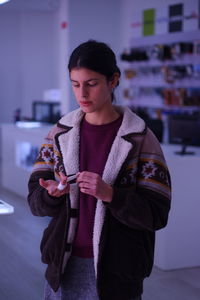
pixel 34 49
pixel 94 19
pixel 63 52
pixel 132 13
pixel 10 70
pixel 39 56
pixel 28 60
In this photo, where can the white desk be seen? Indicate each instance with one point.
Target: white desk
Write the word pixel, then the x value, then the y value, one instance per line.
pixel 178 245
pixel 16 155
pixel 5 208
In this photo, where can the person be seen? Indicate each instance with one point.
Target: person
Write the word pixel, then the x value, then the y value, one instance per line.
pixel 99 243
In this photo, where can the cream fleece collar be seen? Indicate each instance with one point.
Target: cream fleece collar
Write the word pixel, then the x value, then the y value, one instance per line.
pixel 131 123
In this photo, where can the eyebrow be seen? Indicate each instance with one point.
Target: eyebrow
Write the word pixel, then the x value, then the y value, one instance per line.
pixel 91 79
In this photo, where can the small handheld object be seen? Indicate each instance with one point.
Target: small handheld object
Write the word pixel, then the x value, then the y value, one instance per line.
pixel 70 179
pixel 61 186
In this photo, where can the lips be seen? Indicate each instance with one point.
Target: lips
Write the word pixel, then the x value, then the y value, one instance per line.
pixel 86 103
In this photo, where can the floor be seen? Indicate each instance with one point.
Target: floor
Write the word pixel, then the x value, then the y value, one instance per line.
pixel 22 273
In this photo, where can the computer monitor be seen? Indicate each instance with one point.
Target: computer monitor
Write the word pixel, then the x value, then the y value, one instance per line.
pixel 48 112
pixel 184 129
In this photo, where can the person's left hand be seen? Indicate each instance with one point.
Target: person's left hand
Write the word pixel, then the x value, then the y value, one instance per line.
pixel 52 186
pixel 92 184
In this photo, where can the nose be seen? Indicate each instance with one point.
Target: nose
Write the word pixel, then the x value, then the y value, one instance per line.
pixel 83 92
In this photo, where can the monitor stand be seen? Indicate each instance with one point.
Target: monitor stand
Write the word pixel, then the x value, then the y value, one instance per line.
pixel 184 151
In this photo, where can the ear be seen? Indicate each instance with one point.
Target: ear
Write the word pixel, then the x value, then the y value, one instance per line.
pixel 113 82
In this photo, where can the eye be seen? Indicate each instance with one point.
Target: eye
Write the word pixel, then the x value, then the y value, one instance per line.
pixel 92 83
pixel 75 84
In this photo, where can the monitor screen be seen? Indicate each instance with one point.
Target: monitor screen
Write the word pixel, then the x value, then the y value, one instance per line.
pixel 184 130
pixel 44 111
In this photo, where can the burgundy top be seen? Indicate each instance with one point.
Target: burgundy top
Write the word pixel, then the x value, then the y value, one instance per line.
pixel 95 145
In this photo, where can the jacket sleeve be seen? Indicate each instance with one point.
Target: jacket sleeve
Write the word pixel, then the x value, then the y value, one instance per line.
pixel 40 202
pixel 47 166
pixel 142 195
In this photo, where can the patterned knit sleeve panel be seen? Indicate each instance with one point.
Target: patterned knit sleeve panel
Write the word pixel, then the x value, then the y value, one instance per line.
pixel 47 166
pixel 147 169
pixel 153 173
pixel 49 158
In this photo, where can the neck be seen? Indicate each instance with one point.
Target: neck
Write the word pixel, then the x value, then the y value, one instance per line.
pixel 101 118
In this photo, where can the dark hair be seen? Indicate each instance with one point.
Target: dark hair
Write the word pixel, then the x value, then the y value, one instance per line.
pixel 95 56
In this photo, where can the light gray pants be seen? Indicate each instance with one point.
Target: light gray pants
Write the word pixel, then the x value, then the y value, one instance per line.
pixel 78 282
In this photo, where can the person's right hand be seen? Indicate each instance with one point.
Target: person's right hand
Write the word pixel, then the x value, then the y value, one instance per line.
pixel 52 186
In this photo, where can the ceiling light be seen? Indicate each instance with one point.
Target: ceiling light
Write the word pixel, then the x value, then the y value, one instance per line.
pixel 3 1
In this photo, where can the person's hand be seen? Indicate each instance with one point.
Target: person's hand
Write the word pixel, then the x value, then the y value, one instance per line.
pixel 52 186
pixel 92 184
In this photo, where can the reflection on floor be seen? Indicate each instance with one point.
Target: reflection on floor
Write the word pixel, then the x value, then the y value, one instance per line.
pixel 22 273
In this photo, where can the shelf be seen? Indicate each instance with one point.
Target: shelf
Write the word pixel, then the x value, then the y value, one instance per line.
pixel 182 60
pixel 163 107
pixel 158 84
pixel 154 82
pixel 168 38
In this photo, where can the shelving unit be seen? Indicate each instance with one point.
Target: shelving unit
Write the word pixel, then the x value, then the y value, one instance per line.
pixel 143 91
pixel 146 83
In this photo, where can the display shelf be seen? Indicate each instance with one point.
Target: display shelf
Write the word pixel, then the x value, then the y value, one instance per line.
pixel 147 79
pixel 157 105
pixel 167 38
pixel 158 83
pixel 183 60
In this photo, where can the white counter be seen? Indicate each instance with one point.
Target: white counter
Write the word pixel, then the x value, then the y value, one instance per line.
pixel 178 245
pixel 5 208
pixel 17 151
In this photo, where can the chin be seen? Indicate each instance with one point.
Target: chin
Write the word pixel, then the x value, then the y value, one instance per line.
pixel 88 108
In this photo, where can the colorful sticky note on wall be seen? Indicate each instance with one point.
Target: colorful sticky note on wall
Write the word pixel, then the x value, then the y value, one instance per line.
pixel 149 22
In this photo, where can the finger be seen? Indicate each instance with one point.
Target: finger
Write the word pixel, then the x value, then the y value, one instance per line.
pixel 63 178
pixel 87 185
pixel 42 183
pixel 59 192
pixel 86 173
pixel 87 177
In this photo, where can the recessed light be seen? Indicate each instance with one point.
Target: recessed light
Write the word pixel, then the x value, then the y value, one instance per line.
pixel 3 1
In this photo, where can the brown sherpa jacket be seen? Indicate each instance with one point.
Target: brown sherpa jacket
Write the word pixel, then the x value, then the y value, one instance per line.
pixel 124 230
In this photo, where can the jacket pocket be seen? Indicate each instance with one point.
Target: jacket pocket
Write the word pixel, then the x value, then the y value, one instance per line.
pixel 127 253
pixel 47 244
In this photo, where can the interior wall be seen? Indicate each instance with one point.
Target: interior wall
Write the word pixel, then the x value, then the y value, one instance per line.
pixel 10 66
pixel 28 60
pixel 33 43
pixel 132 13
pixel 63 50
pixel 39 56
pixel 95 19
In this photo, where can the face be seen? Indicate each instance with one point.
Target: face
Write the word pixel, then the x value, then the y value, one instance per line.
pixel 91 89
